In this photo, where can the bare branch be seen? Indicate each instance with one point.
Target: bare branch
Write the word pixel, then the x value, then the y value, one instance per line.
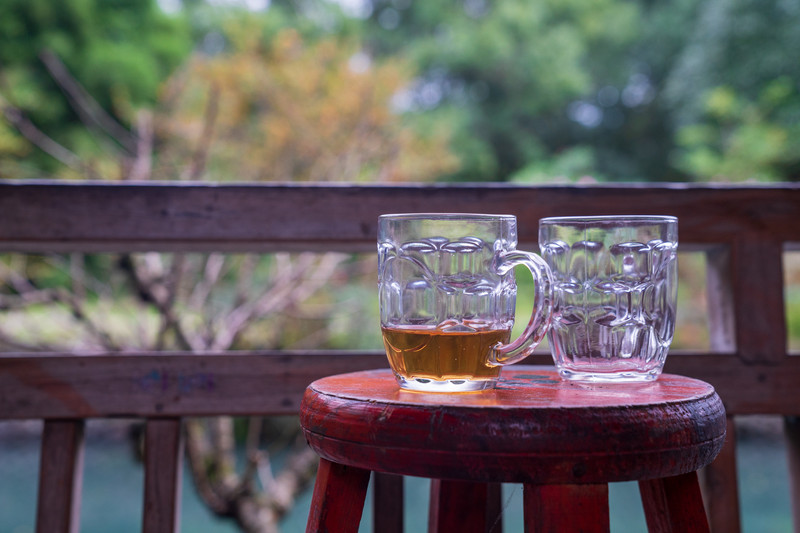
pixel 79 313
pixel 290 285
pixel 11 275
pixel 145 278
pixel 28 294
pixel 142 166
pixel 293 478
pixel 211 273
pixel 254 426
pixel 320 276
pixel 244 279
pixel 166 285
pixel 76 308
pixel 199 451
pixel 224 446
pixel 91 113
pixel 198 163
pixel 19 301
pixel 77 275
pixel 40 139
pixel 273 298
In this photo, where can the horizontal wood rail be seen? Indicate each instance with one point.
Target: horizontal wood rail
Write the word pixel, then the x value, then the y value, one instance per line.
pixel 744 231
pixel 85 216
pixel 152 384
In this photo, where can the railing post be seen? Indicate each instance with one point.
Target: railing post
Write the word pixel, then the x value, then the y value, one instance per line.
pixel 792 428
pixel 719 479
pixel 60 477
pixel 760 315
pixel 163 459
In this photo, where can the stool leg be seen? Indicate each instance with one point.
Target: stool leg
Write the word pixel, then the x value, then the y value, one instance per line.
pixel 338 499
pixel 674 504
pixel 457 506
pixel 494 508
pixel 566 508
pixel 387 503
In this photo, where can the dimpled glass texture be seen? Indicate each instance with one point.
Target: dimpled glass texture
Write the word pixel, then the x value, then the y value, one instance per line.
pixel 447 279
pixel 615 292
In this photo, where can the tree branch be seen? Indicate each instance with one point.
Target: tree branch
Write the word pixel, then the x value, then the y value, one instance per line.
pixel 150 290
pixel 90 112
pixel 199 452
pixel 41 140
pixel 198 163
pixel 142 166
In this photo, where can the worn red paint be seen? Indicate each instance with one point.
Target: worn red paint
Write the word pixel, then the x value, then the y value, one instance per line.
pixel 534 428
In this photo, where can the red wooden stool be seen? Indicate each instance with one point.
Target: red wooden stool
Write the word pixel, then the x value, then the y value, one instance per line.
pixel 564 441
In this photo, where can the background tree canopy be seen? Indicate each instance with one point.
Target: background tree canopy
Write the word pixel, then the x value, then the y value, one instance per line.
pixel 558 90
pixel 120 51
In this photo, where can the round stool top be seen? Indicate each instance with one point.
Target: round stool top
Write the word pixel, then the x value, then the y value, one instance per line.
pixel 532 427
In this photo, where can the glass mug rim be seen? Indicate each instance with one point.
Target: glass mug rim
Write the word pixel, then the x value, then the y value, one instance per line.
pixel 608 220
pixel 447 216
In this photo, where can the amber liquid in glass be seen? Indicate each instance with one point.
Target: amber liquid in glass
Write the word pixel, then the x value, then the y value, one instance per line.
pixel 429 353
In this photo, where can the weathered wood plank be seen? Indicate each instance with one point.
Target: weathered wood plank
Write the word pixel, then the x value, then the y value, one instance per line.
pixel 156 385
pixel 163 463
pixel 60 477
pixel 757 286
pixel 745 388
pixel 150 384
pixel 84 216
pixel 720 486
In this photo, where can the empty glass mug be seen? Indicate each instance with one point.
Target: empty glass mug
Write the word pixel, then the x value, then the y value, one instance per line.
pixel 615 290
pixel 448 297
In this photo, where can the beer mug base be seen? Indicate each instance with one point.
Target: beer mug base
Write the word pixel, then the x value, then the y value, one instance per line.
pixel 626 376
pixel 445 385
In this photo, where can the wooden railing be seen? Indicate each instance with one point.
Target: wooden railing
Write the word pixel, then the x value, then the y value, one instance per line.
pixel 743 230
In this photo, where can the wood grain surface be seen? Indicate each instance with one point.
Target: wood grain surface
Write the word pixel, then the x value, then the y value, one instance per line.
pixel 60 477
pixel 85 216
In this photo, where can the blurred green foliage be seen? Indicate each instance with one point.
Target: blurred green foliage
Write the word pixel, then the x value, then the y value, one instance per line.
pixel 615 90
pixel 120 51
pixel 608 88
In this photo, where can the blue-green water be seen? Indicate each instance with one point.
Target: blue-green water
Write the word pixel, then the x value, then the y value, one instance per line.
pixel 113 486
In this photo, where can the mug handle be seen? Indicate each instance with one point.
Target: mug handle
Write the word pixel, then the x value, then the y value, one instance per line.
pixel 506 354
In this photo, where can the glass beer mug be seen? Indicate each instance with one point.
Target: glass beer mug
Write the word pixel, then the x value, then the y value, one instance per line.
pixel 615 293
pixel 448 298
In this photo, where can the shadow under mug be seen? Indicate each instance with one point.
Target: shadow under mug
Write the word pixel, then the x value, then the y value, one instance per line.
pixel 447 298
pixel 615 291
